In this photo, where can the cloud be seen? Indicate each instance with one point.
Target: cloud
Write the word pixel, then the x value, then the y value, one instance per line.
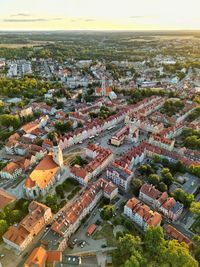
pixel 82 19
pixel 21 15
pixel 30 20
pixel 24 20
pixel 88 20
pixel 137 17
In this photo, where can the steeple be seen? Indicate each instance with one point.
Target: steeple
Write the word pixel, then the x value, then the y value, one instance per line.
pixel 103 87
pixel 57 152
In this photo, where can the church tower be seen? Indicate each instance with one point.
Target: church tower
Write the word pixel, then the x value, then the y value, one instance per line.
pixel 103 87
pixel 57 153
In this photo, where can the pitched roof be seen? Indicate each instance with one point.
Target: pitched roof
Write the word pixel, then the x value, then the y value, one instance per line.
pixel 5 198
pixel 174 233
pixel 37 258
pixel 43 173
pixel 152 218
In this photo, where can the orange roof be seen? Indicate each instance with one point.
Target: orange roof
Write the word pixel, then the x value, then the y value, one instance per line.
pixel 31 225
pixel 37 258
pixel 27 128
pixel 78 171
pixel 98 90
pixel 43 173
pixel 16 234
pixel 14 136
pixel 5 198
pixel 53 256
pixel 91 229
pixel 152 218
pixel 11 167
pixel 174 233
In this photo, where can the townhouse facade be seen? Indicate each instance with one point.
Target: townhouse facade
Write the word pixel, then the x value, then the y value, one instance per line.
pixel 101 158
pixel 160 201
pixel 21 235
pixel 119 176
pixel 141 214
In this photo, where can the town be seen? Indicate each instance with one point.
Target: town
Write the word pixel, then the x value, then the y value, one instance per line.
pixel 100 150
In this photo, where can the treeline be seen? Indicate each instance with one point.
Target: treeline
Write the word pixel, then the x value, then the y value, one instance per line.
pixel 151 251
pixel 27 87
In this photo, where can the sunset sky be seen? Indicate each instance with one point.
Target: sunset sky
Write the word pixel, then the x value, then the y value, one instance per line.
pixel 99 14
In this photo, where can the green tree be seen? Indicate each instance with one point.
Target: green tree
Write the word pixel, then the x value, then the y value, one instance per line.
pixel 107 212
pixel 162 187
pixel 15 216
pixel 183 197
pixel 135 186
pixel 154 179
pixel 51 200
pixel 167 176
pixel 154 241
pixel 127 245
pixel 3 227
pixel 136 260
pixel 177 255
pixel 196 240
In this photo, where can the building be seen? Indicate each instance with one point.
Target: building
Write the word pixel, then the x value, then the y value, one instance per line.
pixel 40 258
pixel 91 229
pixel 119 176
pixel 141 214
pixel 171 208
pixel 103 90
pixel 152 196
pixel 100 156
pixel 175 234
pixel 69 218
pixel 45 174
pixel 119 137
pixel 162 142
pixel 26 112
pixel 19 236
pixel 14 168
pixel 5 199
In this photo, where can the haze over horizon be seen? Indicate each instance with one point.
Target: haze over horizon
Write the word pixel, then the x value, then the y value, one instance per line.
pixel 99 15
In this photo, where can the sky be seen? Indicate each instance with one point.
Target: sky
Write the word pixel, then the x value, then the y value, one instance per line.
pixel 100 15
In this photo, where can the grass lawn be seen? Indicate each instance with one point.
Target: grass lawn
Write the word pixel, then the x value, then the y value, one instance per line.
pixel 195 227
pixel 107 233
pixel 69 184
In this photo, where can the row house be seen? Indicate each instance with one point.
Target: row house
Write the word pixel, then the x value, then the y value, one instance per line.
pixel 15 168
pixel 191 154
pixel 171 208
pixel 43 108
pixel 141 214
pixel 183 114
pixel 172 156
pixel 119 176
pixel 173 131
pixel 101 158
pixel 97 126
pixel 162 142
pixel 132 157
pixel 19 236
pixel 145 124
pixel 175 234
pixel 69 218
pixel 152 196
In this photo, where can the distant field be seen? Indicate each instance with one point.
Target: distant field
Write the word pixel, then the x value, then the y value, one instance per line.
pixel 25 45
